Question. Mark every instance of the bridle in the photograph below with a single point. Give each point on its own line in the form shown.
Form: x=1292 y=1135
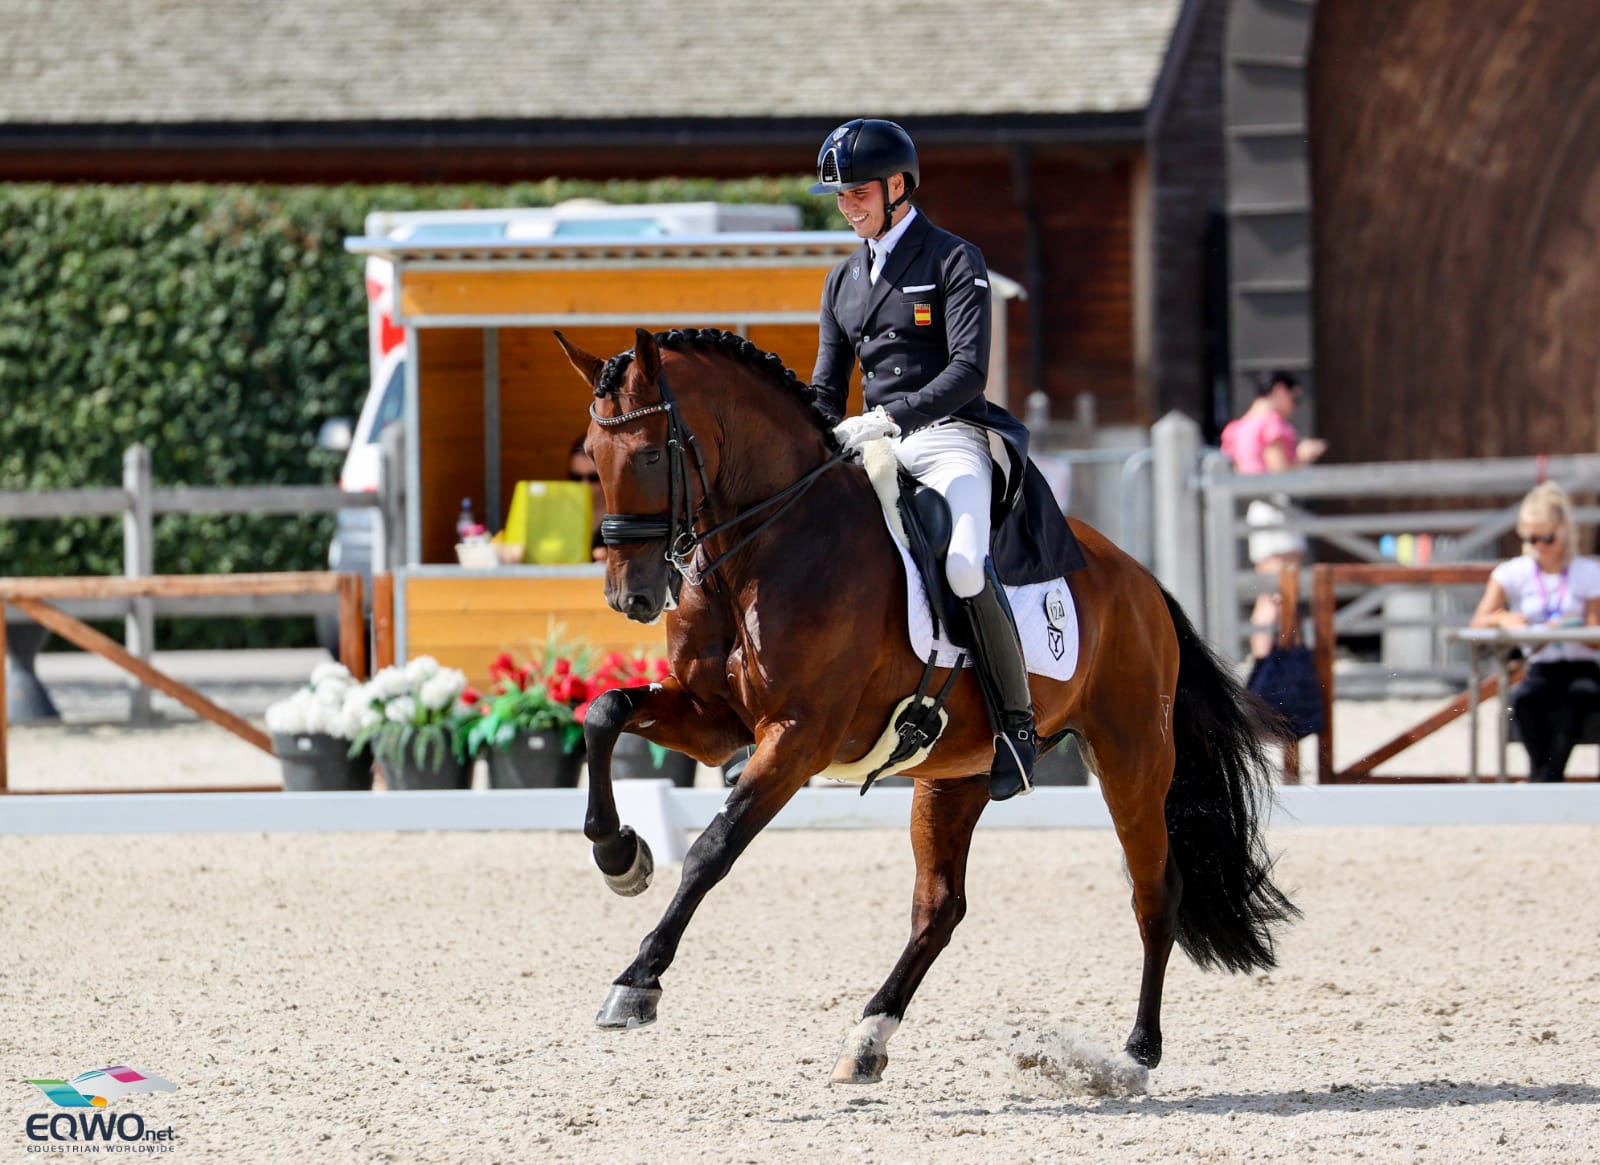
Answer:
x=678 y=526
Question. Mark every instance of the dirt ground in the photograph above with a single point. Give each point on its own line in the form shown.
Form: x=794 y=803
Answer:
x=430 y=997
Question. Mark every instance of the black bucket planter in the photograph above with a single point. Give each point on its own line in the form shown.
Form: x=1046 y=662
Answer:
x=316 y=763
x=633 y=759
x=534 y=760
x=449 y=773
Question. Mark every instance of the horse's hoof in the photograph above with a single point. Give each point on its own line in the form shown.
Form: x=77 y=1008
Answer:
x=862 y=1067
x=636 y=878
x=629 y=1007
x=1144 y=1051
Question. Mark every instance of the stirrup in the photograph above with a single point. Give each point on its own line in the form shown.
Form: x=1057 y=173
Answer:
x=1011 y=775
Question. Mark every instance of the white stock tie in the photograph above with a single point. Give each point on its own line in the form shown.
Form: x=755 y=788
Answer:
x=878 y=256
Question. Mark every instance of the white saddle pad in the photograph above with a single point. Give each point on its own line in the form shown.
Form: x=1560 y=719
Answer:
x=1047 y=621
x=1047 y=618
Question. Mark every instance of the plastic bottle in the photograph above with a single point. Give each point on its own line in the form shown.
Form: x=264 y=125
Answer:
x=466 y=524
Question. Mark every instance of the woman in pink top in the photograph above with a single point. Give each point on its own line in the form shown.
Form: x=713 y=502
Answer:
x=1264 y=440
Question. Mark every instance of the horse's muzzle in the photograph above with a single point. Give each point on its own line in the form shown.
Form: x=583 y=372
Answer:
x=640 y=607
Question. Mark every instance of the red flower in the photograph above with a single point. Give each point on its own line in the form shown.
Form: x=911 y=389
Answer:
x=470 y=696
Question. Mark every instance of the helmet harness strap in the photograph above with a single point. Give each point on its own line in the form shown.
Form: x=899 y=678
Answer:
x=890 y=207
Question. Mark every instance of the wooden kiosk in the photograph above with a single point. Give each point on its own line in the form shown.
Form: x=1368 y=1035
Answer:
x=490 y=400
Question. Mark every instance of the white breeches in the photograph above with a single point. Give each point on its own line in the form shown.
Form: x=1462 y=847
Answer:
x=953 y=459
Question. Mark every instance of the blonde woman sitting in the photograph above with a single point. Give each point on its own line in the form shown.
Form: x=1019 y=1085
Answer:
x=1549 y=584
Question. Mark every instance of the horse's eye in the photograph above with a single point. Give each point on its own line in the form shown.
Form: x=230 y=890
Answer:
x=650 y=457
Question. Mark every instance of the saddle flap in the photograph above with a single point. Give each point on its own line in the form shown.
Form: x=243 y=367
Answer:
x=926 y=516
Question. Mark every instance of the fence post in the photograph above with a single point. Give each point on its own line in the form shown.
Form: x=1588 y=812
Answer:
x=1175 y=447
x=138 y=558
x=382 y=620
x=390 y=546
x=1221 y=557
x=352 y=627
x=3 y=694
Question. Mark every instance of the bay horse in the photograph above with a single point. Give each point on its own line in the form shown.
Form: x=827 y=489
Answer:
x=730 y=508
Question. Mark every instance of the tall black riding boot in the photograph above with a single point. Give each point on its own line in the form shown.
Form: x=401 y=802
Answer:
x=1003 y=676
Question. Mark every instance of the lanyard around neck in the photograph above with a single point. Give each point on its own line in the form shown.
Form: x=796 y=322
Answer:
x=1551 y=610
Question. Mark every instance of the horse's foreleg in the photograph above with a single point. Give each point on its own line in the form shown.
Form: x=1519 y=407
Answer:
x=652 y=711
x=771 y=778
x=943 y=815
x=1136 y=795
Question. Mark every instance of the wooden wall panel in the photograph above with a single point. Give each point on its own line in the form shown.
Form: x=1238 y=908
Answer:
x=450 y=371
x=1456 y=184
x=1084 y=288
x=466 y=622
x=544 y=403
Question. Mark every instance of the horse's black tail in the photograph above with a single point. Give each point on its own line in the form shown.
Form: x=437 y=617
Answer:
x=1223 y=776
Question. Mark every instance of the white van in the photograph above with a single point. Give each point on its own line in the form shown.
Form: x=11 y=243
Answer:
x=351 y=548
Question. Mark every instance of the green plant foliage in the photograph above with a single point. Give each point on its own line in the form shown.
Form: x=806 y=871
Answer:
x=219 y=326
x=512 y=710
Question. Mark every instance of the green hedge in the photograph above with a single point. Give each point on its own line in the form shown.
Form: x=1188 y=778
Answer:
x=218 y=325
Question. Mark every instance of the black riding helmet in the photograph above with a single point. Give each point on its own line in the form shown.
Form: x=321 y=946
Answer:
x=867 y=149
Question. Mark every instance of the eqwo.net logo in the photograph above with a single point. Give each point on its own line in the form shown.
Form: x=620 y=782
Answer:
x=95 y=1090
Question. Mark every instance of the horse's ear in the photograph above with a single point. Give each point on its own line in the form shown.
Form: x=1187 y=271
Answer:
x=589 y=367
x=646 y=356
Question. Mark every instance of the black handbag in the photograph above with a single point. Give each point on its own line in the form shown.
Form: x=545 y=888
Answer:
x=1287 y=680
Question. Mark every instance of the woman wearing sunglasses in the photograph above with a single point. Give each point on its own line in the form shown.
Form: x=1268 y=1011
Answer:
x=1548 y=584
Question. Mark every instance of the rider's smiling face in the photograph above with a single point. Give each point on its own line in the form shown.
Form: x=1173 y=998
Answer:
x=862 y=206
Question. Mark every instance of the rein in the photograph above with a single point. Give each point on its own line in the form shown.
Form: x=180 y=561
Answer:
x=678 y=525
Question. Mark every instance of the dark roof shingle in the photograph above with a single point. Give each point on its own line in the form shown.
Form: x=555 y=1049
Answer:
x=68 y=62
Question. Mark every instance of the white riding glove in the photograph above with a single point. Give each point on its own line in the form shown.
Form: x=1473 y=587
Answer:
x=854 y=432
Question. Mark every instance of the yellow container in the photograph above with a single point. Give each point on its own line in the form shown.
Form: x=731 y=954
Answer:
x=553 y=520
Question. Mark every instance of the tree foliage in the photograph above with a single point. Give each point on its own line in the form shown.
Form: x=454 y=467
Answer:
x=219 y=326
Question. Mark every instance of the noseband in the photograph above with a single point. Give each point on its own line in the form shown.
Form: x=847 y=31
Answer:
x=678 y=525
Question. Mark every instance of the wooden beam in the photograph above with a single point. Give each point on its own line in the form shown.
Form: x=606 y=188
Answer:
x=1453 y=710
x=1322 y=612
x=635 y=291
x=4 y=696
x=1289 y=636
x=305 y=582
x=89 y=639
x=352 y=627
x=382 y=620
x=149 y=789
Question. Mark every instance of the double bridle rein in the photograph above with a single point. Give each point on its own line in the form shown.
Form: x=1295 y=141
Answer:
x=678 y=525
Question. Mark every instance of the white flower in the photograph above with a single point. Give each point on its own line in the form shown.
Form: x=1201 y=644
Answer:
x=288 y=716
x=307 y=711
x=329 y=695
x=420 y=670
x=442 y=689
x=391 y=681
x=331 y=673
x=401 y=710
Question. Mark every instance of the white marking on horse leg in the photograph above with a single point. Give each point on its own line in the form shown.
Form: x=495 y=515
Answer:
x=866 y=1051
x=871 y=1034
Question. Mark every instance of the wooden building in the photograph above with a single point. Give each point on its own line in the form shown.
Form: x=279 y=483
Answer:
x=1078 y=142
x=1414 y=220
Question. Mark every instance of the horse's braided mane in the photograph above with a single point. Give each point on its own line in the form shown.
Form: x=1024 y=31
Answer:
x=741 y=349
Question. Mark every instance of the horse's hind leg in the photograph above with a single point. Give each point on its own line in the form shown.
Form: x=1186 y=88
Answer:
x=943 y=815
x=1135 y=792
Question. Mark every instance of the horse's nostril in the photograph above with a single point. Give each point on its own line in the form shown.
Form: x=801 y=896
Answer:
x=639 y=605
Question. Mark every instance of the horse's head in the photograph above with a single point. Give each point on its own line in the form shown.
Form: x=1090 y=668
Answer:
x=651 y=473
